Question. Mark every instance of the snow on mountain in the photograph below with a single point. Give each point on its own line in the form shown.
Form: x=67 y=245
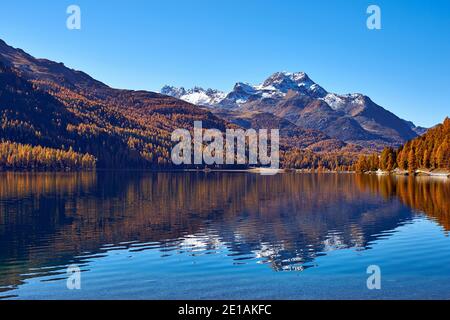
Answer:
x=276 y=86
x=295 y=97
x=339 y=102
x=196 y=95
x=173 y=91
x=280 y=83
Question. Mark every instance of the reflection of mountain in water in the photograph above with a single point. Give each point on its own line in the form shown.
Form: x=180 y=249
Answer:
x=285 y=220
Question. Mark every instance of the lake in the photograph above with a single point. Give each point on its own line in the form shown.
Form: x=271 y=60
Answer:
x=217 y=235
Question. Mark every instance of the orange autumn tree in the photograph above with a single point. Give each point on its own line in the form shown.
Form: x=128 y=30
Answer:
x=24 y=156
x=429 y=151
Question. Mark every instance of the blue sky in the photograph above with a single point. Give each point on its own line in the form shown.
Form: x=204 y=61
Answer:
x=144 y=44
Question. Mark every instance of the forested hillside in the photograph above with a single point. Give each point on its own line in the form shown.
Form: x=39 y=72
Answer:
x=54 y=117
x=429 y=151
x=119 y=128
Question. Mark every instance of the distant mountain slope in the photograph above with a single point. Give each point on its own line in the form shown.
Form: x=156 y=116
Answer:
x=354 y=118
x=45 y=103
x=291 y=135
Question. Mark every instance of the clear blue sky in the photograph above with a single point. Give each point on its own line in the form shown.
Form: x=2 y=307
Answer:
x=144 y=44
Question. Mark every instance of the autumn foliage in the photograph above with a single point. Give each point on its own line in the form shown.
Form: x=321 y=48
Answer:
x=430 y=151
x=74 y=114
x=19 y=156
x=119 y=128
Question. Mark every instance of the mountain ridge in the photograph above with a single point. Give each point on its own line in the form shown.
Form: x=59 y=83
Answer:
x=355 y=118
x=44 y=103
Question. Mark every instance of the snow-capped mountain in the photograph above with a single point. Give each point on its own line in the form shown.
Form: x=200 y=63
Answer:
x=196 y=95
x=295 y=97
x=276 y=86
x=281 y=82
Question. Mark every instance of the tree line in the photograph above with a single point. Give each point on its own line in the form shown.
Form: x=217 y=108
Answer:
x=326 y=161
x=24 y=156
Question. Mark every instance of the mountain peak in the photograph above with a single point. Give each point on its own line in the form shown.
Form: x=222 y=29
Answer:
x=297 y=77
x=173 y=91
x=275 y=86
x=280 y=79
x=296 y=98
x=243 y=86
x=196 y=95
x=300 y=82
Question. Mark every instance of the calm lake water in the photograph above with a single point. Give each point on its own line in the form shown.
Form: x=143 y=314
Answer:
x=223 y=236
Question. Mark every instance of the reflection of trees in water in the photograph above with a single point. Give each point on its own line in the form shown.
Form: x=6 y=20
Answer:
x=428 y=195
x=285 y=220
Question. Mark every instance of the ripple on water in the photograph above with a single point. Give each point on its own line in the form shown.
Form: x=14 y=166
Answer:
x=228 y=236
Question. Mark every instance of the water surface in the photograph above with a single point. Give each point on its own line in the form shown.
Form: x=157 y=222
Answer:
x=223 y=235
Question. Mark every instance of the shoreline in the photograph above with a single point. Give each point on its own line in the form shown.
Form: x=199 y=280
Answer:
x=263 y=171
x=417 y=173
